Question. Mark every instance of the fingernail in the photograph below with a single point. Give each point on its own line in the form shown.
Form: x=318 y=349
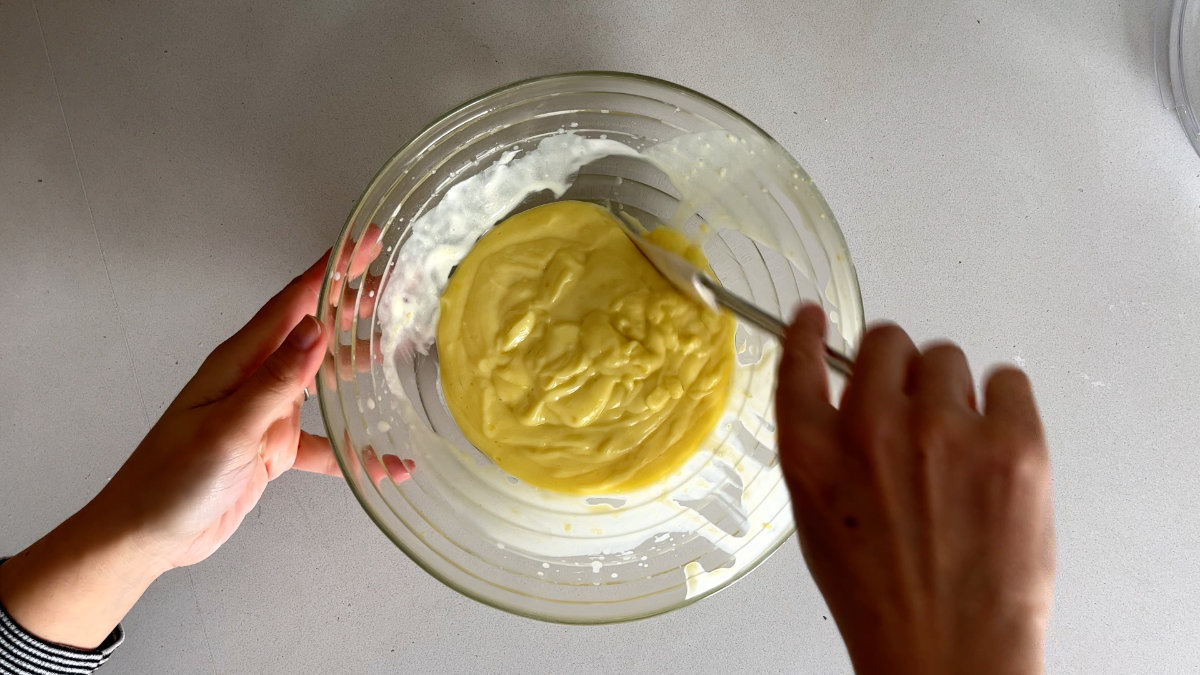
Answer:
x=305 y=334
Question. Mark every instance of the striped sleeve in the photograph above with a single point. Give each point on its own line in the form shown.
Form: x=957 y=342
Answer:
x=24 y=654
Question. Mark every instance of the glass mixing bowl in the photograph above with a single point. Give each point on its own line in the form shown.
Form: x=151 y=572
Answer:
x=1177 y=62
x=704 y=170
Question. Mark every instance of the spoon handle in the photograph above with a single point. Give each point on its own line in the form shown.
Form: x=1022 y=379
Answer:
x=756 y=316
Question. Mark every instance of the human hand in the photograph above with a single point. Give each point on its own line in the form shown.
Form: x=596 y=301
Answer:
x=926 y=523
x=233 y=428
x=198 y=472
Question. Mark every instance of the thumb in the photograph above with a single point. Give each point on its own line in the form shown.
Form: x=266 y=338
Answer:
x=279 y=382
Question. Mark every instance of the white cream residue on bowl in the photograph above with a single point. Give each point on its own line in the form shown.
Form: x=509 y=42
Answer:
x=442 y=237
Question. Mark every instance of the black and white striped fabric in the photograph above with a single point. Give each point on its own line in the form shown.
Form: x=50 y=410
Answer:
x=25 y=654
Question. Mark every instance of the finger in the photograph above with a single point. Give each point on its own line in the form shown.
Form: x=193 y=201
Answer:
x=398 y=470
x=311 y=387
x=358 y=302
x=803 y=383
x=881 y=368
x=271 y=324
x=314 y=454
x=279 y=382
x=354 y=259
x=942 y=377
x=370 y=296
x=369 y=246
x=278 y=447
x=374 y=468
x=1008 y=400
x=346 y=308
x=240 y=355
x=364 y=353
x=802 y=408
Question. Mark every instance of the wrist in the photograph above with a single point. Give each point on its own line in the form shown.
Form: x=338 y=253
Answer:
x=979 y=645
x=74 y=585
x=110 y=535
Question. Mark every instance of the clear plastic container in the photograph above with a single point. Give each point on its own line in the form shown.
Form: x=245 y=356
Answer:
x=1177 y=61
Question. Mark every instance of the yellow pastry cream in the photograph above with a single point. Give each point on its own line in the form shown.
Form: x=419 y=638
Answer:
x=571 y=362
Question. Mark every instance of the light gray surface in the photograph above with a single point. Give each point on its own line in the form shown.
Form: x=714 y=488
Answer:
x=1005 y=175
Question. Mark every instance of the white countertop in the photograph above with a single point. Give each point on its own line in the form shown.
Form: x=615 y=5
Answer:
x=1005 y=176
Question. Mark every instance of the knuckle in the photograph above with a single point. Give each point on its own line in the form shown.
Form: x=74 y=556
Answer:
x=1020 y=464
x=1029 y=460
x=934 y=426
x=1030 y=469
x=940 y=419
x=278 y=375
x=218 y=356
x=870 y=437
x=294 y=295
x=1015 y=437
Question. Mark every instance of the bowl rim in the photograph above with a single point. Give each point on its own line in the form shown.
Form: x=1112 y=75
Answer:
x=323 y=310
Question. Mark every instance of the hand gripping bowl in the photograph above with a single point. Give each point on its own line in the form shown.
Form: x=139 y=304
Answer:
x=688 y=163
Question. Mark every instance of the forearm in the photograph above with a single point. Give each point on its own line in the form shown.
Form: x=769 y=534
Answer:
x=73 y=586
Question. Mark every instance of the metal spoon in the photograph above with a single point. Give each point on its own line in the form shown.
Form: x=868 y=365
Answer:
x=704 y=289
